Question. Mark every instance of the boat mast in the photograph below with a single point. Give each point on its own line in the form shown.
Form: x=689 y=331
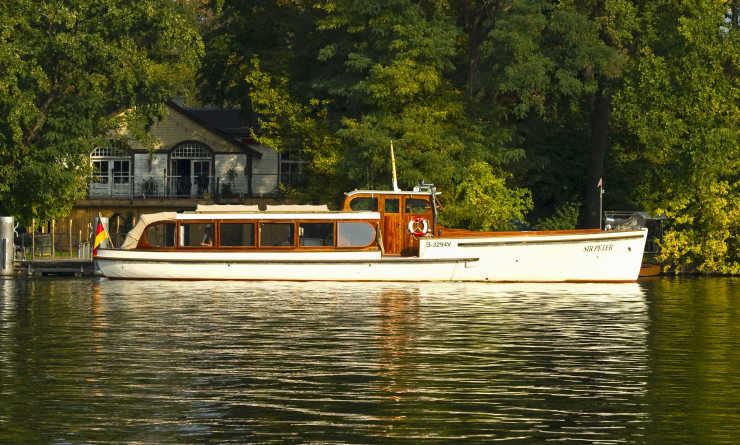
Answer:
x=393 y=166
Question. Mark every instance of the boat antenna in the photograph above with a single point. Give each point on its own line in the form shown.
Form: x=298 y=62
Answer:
x=393 y=166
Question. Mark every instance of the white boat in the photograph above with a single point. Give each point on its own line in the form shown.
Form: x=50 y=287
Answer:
x=378 y=236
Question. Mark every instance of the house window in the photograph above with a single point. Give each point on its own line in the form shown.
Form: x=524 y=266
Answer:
x=121 y=172
x=190 y=164
x=110 y=166
x=292 y=168
x=100 y=172
x=191 y=150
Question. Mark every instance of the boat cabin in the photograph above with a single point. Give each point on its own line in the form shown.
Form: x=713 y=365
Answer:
x=389 y=221
x=406 y=216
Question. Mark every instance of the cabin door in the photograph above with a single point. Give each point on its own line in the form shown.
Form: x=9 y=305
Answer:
x=393 y=233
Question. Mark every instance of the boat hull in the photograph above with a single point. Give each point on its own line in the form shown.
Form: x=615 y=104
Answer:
x=521 y=257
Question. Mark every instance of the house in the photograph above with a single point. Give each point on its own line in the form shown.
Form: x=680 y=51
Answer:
x=199 y=154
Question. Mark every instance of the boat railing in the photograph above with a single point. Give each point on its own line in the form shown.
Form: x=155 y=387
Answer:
x=633 y=219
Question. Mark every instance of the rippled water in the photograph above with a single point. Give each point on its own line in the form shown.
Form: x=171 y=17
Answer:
x=100 y=361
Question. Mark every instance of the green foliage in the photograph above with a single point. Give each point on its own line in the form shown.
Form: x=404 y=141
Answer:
x=66 y=68
x=346 y=78
x=483 y=202
x=564 y=218
x=286 y=124
x=682 y=105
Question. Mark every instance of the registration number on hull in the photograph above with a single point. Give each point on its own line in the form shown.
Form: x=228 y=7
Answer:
x=438 y=244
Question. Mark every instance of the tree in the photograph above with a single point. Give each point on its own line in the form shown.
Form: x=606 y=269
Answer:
x=339 y=80
x=558 y=64
x=66 y=69
x=682 y=104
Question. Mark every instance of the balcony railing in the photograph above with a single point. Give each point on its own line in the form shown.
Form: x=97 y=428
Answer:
x=164 y=187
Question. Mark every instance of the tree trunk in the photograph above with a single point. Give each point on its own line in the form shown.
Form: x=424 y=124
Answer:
x=600 y=113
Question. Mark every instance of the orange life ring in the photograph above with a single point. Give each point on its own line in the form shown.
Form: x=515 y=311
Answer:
x=418 y=226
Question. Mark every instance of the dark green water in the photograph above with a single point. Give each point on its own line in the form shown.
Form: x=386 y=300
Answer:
x=99 y=361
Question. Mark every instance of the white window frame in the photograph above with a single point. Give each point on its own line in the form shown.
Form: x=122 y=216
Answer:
x=111 y=173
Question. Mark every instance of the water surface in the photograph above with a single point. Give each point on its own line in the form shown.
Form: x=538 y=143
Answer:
x=102 y=361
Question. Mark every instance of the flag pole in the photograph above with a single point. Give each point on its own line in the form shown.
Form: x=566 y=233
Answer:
x=101 y=234
x=600 y=185
x=393 y=166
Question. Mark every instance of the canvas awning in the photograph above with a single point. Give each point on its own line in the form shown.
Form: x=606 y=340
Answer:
x=132 y=238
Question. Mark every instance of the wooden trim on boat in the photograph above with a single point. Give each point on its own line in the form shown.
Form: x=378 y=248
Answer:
x=463 y=233
x=539 y=242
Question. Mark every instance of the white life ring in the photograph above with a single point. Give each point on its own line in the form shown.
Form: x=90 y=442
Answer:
x=418 y=226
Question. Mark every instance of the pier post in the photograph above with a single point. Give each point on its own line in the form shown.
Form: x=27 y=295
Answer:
x=7 y=245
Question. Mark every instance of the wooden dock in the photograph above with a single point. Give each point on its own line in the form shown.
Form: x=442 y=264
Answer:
x=77 y=267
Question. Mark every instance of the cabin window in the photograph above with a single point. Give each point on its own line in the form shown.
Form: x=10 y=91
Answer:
x=364 y=203
x=417 y=205
x=237 y=234
x=391 y=205
x=355 y=234
x=161 y=235
x=316 y=234
x=196 y=235
x=276 y=234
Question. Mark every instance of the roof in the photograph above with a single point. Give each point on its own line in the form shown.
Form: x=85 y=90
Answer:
x=228 y=124
x=390 y=192
x=225 y=208
x=239 y=208
x=132 y=238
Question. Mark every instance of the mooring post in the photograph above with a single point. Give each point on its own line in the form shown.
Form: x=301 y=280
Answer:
x=7 y=245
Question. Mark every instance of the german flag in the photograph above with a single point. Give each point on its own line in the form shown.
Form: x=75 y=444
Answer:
x=100 y=236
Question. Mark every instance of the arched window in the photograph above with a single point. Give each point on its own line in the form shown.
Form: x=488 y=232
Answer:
x=191 y=150
x=190 y=164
